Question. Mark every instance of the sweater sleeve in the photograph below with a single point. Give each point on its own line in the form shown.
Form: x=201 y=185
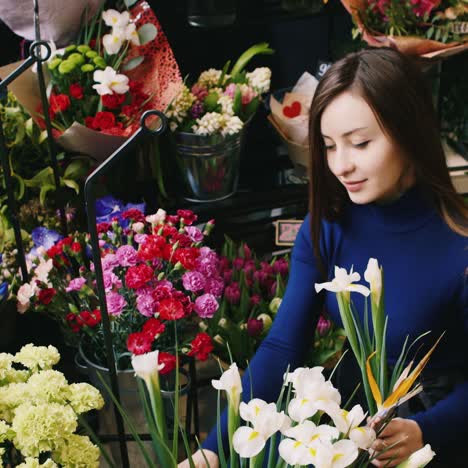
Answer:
x=290 y=336
x=445 y=424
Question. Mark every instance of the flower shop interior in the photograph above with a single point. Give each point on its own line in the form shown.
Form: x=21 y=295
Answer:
x=169 y=141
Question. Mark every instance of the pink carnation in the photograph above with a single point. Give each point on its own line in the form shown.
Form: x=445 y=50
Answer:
x=194 y=233
x=115 y=303
x=214 y=286
x=208 y=266
x=126 y=256
x=193 y=281
x=206 y=306
x=111 y=280
x=75 y=284
x=146 y=305
x=109 y=262
x=140 y=238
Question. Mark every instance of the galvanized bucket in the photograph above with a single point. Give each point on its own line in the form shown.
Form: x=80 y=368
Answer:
x=209 y=165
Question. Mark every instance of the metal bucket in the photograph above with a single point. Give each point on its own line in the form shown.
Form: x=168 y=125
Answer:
x=209 y=165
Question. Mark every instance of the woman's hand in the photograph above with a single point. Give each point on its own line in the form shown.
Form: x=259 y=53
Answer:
x=200 y=462
x=407 y=437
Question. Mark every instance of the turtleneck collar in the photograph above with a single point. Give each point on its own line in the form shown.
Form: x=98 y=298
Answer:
x=409 y=212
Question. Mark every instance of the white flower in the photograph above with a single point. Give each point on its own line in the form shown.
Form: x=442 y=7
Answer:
x=131 y=34
x=113 y=42
x=231 y=125
x=308 y=432
x=260 y=79
x=249 y=411
x=419 y=459
x=114 y=19
x=337 y=455
x=347 y=420
x=42 y=270
x=304 y=378
x=157 y=218
x=25 y=292
x=110 y=82
x=138 y=227
x=373 y=275
x=209 y=124
x=343 y=282
x=209 y=78
x=249 y=441
x=226 y=104
x=146 y=365
x=230 y=382
x=275 y=305
x=180 y=105
x=363 y=436
x=294 y=452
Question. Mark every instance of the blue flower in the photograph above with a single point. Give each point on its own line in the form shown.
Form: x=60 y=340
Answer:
x=108 y=208
x=43 y=237
x=3 y=291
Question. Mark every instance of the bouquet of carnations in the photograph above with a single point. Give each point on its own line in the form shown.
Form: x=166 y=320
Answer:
x=221 y=101
x=157 y=275
x=428 y=28
x=39 y=412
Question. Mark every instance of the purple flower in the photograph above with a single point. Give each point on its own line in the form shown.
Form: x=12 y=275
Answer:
x=115 y=303
x=281 y=266
x=193 y=281
x=254 y=327
x=197 y=109
x=238 y=263
x=194 y=233
x=75 y=284
x=43 y=237
x=111 y=280
x=126 y=255
x=214 y=286
x=108 y=208
x=206 y=306
x=232 y=293
x=146 y=305
x=323 y=325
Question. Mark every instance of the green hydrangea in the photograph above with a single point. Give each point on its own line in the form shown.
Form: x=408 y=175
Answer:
x=39 y=428
x=77 y=451
x=37 y=357
x=84 y=397
x=35 y=463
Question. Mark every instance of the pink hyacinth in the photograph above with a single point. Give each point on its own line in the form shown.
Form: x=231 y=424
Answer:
x=115 y=303
x=230 y=90
x=200 y=92
x=193 y=281
x=214 y=286
x=75 y=284
x=146 y=305
x=232 y=293
x=126 y=256
x=206 y=306
x=194 y=233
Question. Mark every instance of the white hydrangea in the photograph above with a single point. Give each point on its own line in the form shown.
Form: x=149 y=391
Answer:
x=209 y=124
x=260 y=79
x=180 y=105
x=226 y=104
x=209 y=78
x=232 y=125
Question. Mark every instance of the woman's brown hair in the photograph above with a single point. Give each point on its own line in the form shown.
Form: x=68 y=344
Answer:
x=396 y=91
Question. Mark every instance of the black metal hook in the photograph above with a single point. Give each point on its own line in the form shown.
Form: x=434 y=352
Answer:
x=35 y=51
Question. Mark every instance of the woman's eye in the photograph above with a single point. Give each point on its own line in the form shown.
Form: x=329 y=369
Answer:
x=362 y=145
x=329 y=147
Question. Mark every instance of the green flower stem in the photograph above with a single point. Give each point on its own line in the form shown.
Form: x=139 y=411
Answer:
x=154 y=391
x=345 y=313
x=233 y=424
x=175 y=433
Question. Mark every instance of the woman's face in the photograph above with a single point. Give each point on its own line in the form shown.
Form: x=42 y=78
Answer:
x=360 y=154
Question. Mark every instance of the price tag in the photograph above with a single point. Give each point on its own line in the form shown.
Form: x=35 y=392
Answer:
x=322 y=67
x=286 y=231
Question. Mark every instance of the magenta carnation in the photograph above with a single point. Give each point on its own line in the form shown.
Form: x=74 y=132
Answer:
x=146 y=305
x=109 y=262
x=206 y=306
x=126 y=256
x=75 y=284
x=214 y=286
x=194 y=233
x=193 y=281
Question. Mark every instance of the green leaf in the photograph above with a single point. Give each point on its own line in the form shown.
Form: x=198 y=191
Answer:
x=71 y=184
x=237 y=104
x=42 y=137
x=438 y=34
x=44 y=190
x=132 y=63
x=147 y=33
x=262 y=48
x=211 y=102
x=76 y=170
x=21 y=186
x=129 y=3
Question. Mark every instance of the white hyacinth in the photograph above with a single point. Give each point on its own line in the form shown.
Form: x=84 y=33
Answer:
x=260 y=79
x=209 y=124
x=181 y=104
x=226 y=104
x=209 y=78
x=232 y=125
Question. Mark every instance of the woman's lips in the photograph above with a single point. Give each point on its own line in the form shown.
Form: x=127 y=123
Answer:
x=354 y=186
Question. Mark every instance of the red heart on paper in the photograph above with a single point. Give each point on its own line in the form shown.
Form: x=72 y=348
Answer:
x=293 y=110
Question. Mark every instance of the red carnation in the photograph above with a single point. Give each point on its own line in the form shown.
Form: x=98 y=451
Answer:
x=182 y=239
x=89 y=122
x=134 y=214
x=76 y=91
x=45 y=296
x=103 y=227
x=171 y=309
x=139 y=343
x=172 y=219
x=137 y=276
x=201 y=346
x=188 y=217
x=153 y=327
x=169 y=361
x=113 y=101
x=186 y=256
x=129 y=110
x=58 y=103
x=104 y=120
x=73 y=323
x=152 y=247
x=76 y=247
x=168 y=231
x=186 y=302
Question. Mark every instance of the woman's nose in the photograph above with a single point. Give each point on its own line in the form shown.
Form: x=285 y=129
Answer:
x=341 y=163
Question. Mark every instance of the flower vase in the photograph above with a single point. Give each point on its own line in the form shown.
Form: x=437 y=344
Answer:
x=208 y=165
x=130 y=401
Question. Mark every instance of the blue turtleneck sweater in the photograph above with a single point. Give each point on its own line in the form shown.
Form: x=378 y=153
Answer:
x=425 y=278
